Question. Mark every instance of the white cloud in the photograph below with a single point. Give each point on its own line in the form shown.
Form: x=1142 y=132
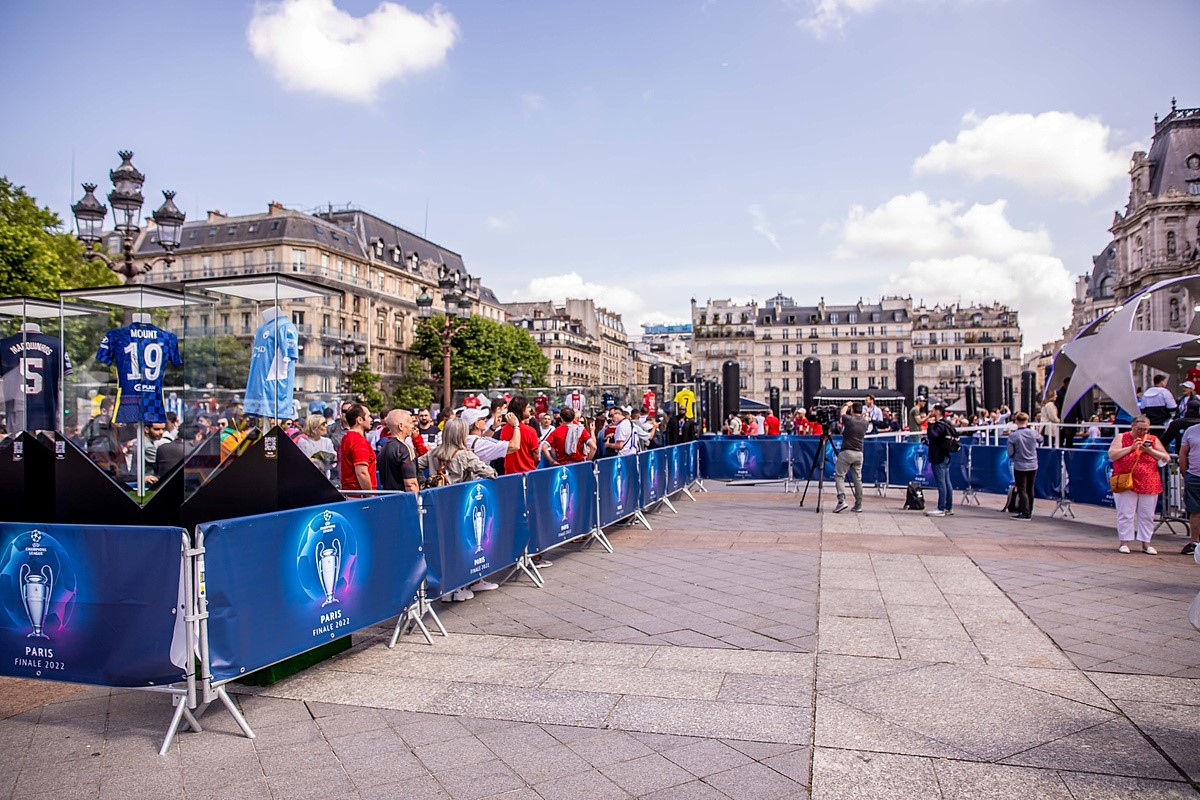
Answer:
x=495 y=223
x=957 y=255
x=532 y=103
x=631 y=304
x=831 y=16
x=1056 y=153
x=311 y=45
x=761 y=225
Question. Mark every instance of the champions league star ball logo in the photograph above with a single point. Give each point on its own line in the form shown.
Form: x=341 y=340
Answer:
x=564 y=492
x=478 y=518
x=327 y=557
x=37 y=584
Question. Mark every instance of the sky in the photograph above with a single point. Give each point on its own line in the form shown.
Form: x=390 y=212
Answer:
x=642 y=154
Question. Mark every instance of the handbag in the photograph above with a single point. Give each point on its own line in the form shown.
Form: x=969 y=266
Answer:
x=439 y=478
x=1123 y=481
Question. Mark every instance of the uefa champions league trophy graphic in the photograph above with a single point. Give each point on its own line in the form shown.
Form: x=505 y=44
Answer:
x=564 y=493
x=741 y=455
x=36 y=588
x=919 y=459
x=329 y=564
x=477 y=515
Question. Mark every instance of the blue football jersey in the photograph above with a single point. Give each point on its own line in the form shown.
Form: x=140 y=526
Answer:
x=31 y=364
x=141 y=353
x=269 y=386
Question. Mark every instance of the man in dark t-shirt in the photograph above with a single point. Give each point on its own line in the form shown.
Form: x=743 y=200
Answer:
x=397 y=465
x=850 y=459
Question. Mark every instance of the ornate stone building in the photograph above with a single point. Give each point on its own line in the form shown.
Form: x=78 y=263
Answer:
x=1158 y=235
x=951 y=341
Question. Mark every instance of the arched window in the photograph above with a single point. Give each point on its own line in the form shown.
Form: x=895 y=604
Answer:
x=1141 y=253
x=1174 y=311
x=1171 y=244
x=1106 y=286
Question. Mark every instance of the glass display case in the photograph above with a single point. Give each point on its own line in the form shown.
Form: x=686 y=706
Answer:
x=272 y=368
x=34 y=363
x=138 y=400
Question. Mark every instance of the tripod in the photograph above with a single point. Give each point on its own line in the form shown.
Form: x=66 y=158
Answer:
x=818 y=466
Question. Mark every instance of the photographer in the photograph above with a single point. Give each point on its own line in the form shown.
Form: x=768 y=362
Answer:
x=854 y=428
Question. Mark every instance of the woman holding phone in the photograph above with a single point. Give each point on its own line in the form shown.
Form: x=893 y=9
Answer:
x=1138 y=453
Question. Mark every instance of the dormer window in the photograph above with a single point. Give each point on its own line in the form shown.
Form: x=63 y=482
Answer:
x=396 y=255
x=1193 y=161
x=379 y=248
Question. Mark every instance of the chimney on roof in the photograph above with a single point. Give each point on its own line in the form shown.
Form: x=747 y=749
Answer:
x=216 y=215
x=274 y=207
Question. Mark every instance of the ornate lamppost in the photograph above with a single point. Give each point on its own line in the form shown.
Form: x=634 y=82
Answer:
x=126 y=200
x=454 y=287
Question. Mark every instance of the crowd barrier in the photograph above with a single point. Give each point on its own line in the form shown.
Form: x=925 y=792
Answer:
x=154 y=608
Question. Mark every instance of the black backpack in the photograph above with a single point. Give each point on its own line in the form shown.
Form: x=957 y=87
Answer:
x=914 y=497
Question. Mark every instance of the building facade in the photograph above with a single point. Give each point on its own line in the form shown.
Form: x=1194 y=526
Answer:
x=574 y=355
x=373 y=269
x=672 y=343
x=723 y=330
x=950 y=342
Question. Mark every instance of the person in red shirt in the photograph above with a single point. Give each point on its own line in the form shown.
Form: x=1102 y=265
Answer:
x=555 y=447
x=356 y=457
x=771 y=423
x=523 y=440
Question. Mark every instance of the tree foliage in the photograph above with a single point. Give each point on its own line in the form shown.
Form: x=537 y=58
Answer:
x=485 y=353
x=364 y=387
x=37 y=257
x=224 y=362
x=413 y=390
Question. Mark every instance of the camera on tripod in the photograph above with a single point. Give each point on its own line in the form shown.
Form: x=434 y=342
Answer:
x=825 y=415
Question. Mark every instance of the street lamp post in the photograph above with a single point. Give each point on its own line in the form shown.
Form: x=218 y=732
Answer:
x=457 y=303
x=353 y=351
x=126 y=200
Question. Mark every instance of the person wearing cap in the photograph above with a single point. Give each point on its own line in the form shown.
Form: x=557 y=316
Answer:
x=1187 y=390
x=621 y=441
x=939 y=433
x=487 y=448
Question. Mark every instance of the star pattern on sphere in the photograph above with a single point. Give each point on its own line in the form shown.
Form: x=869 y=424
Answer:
x=1105 y=359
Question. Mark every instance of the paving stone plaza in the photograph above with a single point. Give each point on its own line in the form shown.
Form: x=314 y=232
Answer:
x=745 y=648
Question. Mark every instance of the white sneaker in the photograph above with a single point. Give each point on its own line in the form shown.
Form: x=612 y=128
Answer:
x=483 y=586
x=459 y=595
x=1123 y=548
x=1148 y=550
x=935 y=513
x=543 y=562
x=840 y=507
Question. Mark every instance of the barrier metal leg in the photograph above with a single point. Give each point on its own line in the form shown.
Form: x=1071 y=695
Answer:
x=599 y=536
x=182 y=714
x=234 y=712
x=527 y=565
x=412 y=616
x=691 y=497
x=638 y=516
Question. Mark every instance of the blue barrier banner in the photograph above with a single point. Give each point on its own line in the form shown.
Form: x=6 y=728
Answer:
x=908 y=462
x=619 y=488
x=562 y=504
x=1088 y=473
x=473 y=530
x=280 y=584
x=741 y=458
x=803 y=451
x=677 y=468
x=874 y=469
x=1048 y=483
x=92 y=604
x=651 y=468
x=991 y=469
x=693 y=461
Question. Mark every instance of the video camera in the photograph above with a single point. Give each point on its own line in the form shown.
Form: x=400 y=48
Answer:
x=825 y=415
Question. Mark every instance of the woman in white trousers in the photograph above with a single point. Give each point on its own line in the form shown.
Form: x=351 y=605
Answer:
x=1138 y=452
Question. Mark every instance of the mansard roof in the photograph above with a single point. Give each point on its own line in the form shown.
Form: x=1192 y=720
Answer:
x=1176 y=138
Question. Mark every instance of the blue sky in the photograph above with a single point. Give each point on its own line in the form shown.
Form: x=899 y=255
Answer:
x=640 y=153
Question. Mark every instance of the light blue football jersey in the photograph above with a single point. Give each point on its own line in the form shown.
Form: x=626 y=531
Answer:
x=271 y=382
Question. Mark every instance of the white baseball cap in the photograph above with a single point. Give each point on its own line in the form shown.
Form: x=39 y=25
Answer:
x=473 y=415
x=1188 y=384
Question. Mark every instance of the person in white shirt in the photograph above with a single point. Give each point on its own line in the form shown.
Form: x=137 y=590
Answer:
x=872 y=412
x=622 y=441
x=487 y=448
x=1157 y=402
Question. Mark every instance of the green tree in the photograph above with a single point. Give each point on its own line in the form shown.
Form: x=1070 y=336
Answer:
x=37 y=257
x=364 y=386
x=485 y=353
x=223 y=361
x=413 y=390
